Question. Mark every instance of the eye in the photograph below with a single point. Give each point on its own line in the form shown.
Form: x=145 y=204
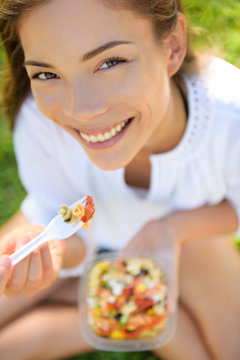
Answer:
x=45 y=76
x=112 y=62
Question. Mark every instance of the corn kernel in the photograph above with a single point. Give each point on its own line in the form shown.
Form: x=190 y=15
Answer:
x=141 y=287
x=117 y=335
x=150 y=311
x=102 y=265
x=97 y=312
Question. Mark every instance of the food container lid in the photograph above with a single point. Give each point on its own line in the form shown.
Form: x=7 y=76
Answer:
x=95 y=324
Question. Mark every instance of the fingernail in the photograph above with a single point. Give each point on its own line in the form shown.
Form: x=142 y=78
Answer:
x=5 y=261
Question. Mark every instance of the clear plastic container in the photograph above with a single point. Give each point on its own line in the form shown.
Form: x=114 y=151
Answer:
x=146 y=315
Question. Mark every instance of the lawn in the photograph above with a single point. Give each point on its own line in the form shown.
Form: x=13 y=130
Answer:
x=215 y=26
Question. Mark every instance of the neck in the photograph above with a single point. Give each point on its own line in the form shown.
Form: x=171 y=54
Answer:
x=170 y=132
x=166 y=138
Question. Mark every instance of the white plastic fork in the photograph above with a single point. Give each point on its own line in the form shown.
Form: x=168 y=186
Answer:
x=57 y=229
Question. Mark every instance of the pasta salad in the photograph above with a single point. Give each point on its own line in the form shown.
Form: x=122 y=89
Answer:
x=127 y=299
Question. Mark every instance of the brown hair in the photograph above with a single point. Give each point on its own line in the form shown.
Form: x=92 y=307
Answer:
x=16 y=84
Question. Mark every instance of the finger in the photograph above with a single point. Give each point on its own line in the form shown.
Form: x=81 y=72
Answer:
x=7 y=245
x=5 y=267
x=48 y=272
x=35 y=274
x=19 y=273
x=56 y=248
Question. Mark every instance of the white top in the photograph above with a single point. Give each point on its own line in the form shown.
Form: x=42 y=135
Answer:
x=204 y=168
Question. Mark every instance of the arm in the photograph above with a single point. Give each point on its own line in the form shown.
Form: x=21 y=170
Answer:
x=180 y=227
x=203 y=222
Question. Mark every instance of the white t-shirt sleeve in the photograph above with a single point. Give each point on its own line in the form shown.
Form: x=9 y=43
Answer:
x=41 y=171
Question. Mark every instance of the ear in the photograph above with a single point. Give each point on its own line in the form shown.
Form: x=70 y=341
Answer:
x=177 y=45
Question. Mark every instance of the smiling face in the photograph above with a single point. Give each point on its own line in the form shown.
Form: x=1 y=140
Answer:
x=100 y=75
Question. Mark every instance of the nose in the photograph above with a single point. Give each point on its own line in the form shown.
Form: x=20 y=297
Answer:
x=83 y=102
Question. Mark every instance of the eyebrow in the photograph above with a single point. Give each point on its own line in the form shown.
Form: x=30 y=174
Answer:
x=91 y=54
x=103 y=48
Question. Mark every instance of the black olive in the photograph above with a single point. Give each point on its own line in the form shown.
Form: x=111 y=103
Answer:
x=118 y=316
x=143 y=272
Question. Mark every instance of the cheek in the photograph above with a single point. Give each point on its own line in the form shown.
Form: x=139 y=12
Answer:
x=48 y=102
x=159 y=94
x=147 y=86
x=129 y=88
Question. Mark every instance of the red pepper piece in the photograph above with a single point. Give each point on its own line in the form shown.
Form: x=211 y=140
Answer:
x=127 y=293
x=143 y=304
x=136 y=333
x=136 y=281
x=89 y=209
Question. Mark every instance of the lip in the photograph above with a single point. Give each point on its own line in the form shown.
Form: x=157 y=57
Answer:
x=107 y=143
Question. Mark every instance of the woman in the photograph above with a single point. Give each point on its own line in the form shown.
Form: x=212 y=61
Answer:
x=109 y=76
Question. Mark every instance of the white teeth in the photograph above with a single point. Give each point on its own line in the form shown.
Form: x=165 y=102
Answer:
x=106 y=136
x=93 y=138
x=100 y=138
x=85 y=137
x=113 y=132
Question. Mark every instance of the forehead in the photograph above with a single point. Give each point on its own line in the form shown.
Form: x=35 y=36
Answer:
x=86 y=22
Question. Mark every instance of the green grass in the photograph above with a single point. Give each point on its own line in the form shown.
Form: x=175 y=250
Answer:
x=101 y=355
x=11 y=191
x=217 y=23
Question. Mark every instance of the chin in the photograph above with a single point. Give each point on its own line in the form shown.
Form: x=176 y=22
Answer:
x=109 y=164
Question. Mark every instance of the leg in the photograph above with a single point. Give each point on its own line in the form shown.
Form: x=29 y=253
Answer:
x=11 y=309
x=57 y=335
x=209 y=288
x=187 y=343
x=46 y=326
x=47 y=332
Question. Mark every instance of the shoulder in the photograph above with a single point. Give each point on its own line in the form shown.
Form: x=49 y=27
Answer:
x=222 y=84
x=214 y=110
x=219 y=83
x=36 y=136
x=222 y=81
x=33 y=134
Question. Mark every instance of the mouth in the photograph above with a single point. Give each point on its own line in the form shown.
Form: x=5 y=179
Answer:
x=105 y=138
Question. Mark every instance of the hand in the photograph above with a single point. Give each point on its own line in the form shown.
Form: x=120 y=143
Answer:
x=156 y=235
x=34 y=273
